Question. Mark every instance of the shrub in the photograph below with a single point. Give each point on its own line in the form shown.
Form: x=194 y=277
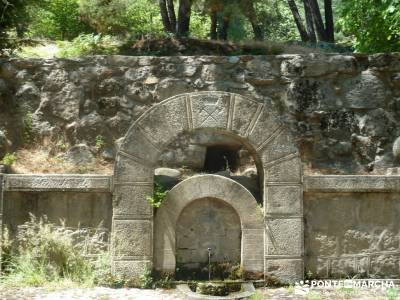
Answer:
x=89 y=44
x=43 y=252
x=139 y=17
x=100 y=142
x=9 y=159
x=159 y=195
x=28 y=134
x=146 y=279
x=56 y=19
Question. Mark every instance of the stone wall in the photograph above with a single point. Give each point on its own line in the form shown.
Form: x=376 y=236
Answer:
x=352 y=227
x=81 y=201
x=351 y=222
x=344 y=110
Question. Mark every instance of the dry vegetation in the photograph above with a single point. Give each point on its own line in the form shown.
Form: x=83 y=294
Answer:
x=40 y=159
x=190 y=46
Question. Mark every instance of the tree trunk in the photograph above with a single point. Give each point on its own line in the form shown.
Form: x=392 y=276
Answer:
x=299 y=22
x=330 y=32
x=171 y=14
x=248 y=10
x=309 y=21
x=319 y=24
x=185 y=7
x=164 y=16
x=223 y=33
x=258 y=32
x=214 y=25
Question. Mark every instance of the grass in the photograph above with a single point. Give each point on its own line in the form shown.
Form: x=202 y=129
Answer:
x=46 y=50
x=257 y=296
x=290 y=289
x=313 y=296
x=54 y=256
x=392 y=294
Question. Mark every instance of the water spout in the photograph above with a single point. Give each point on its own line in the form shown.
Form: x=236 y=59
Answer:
x=209 y=263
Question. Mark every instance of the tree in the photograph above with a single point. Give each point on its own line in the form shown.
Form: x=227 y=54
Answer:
x=298 y=20
x=184 y=12
x=223 y=11
x=11 y=13
x=180 y=27
x=373 y=24
x=248 y=9
x=168 y=15
x=309 y=21
x=122 y=17
x=314 y=21
x=55 y=19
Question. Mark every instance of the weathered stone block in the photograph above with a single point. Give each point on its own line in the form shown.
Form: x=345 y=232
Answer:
x=366 y=92
x=130 y=268
x=278 y=147
x=141 y=146
x=257 y=131
x=284 y=236
x=171 y=120
x=129 y=170
x=132 y=238
x=210 y=110
x=351 y=183
x=385 y=266
x=286 y=270
x=253 y=250
x=284 y=171
x=132 y=200
x=45 y=182
x=283 y=199
x=245 y=113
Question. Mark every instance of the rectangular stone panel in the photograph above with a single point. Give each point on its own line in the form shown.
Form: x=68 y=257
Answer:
x=285 y=270
x=283 y=199
x=244 y=115
x=130 y=268
x=351 y=183
x=263 y=128
x=385 y=265
x=284 y=171
x=278 y=147
x=132 y=238
x=47 y=183
x=140 y=145
x=342 y=267
x=284 y=236
x=128 y=170
x=210 y=110
x=165 y=121
x=253 y=250
x=132 y=200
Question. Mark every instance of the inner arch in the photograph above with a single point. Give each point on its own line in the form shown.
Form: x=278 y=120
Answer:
x=207 y=223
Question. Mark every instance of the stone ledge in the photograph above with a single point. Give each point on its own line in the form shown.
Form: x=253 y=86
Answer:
x=57 y=183
x=351 y=183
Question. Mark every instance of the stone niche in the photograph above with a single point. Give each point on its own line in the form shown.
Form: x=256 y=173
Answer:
x=207 y=224
x=269 y=239
x=209 y=211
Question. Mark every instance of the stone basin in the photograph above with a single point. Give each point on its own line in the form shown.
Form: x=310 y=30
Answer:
x=247 y=290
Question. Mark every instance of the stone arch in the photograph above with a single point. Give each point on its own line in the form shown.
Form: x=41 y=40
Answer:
x=210 y=186
x=248 y=120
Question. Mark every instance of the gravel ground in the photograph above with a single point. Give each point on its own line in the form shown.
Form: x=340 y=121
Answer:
x=100 y=293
